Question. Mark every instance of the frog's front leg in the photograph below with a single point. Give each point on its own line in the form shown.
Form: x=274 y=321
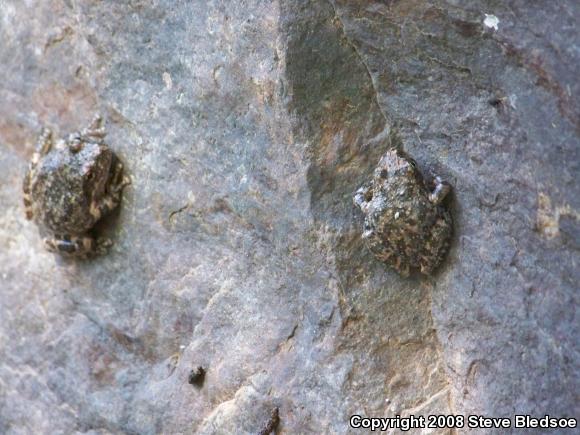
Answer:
x=440 y=191
x=95 y=128
x=95 y=132
x=43 y=146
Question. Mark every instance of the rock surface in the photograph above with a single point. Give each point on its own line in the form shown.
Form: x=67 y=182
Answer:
x=245 y=127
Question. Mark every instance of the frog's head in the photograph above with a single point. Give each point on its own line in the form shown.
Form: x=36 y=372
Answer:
x=395 y=163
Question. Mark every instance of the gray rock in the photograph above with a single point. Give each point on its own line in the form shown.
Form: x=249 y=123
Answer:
x=246 y=126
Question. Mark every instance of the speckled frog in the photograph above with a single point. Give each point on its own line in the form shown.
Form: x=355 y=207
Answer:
x=406 y=225
x=70 y=185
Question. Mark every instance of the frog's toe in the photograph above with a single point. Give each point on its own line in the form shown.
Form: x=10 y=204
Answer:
x=96 y=127
x=103 y=245
x=121 y=184
x=118 y=180
x=70 y=246
x=426 y=267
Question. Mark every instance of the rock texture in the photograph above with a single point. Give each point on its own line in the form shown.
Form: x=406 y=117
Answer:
x=246 y=126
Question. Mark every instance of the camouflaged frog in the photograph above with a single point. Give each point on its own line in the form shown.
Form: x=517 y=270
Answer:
x=406 y=225
x=70 y=185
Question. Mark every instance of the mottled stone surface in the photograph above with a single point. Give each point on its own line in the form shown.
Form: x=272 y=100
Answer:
x=246 y=126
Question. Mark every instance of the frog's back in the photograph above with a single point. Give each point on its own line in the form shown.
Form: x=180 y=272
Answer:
x=57 y=195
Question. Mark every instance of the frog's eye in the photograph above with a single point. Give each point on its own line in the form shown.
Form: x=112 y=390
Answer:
x=75 y=144
x=89 y=175
x=413 y=163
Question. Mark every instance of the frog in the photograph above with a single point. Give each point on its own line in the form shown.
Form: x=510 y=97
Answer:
x=406 y=222
x=70 y=185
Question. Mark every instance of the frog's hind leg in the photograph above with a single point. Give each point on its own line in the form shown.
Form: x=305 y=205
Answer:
x=72 y=246
x=43 y=147
x=436 y=246
x=112 y=199
x=104 y=206
x=118 y=180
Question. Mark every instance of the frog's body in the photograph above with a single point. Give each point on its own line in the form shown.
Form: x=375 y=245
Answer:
x=70 y=186
x=406 y=225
